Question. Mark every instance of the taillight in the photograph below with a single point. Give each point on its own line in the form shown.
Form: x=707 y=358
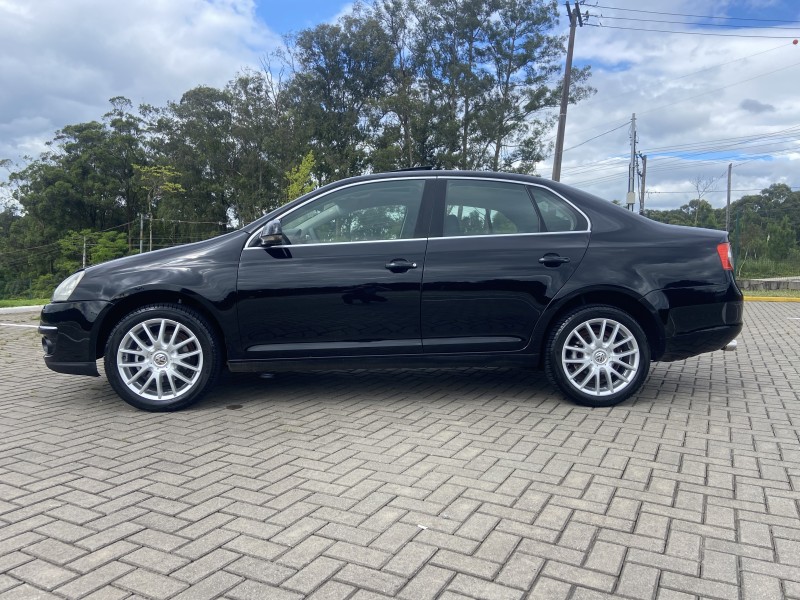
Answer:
x=725 y=256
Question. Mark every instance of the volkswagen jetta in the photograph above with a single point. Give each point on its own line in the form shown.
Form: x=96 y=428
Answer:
x=406 y=269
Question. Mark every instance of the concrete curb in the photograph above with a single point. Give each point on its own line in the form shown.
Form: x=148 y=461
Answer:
x=20 y=309
x=769 y=299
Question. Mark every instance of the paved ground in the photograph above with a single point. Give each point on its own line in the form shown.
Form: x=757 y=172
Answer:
x=452 y=484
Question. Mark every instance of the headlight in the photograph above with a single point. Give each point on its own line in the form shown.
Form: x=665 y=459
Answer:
x=65 y=289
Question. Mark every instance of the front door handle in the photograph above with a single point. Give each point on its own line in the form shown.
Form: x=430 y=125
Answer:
x=400 y=265
x=553 y=260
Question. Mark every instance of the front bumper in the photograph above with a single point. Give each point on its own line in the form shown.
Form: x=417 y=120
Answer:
x=69 y=336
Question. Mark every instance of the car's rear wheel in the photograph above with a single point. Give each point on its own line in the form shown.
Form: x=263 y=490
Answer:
x=162 y=357
x=597 y=355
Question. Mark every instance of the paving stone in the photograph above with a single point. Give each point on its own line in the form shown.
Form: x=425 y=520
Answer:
x=205 y=566
x=252 y=590
x=42 y=574
x=409 y=559
x=638 y=581
x=481 y=589
x=54 y=551
x=211 y=587
x=155 y=560
x=260 y=570
x=27 y=592
x=369 y=579
x=579 y=576
x=549 y=589
x=313 y=575
x=94 y=580
x=476 y=483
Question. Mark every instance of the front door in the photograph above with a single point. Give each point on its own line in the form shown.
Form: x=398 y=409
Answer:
x=346 y=282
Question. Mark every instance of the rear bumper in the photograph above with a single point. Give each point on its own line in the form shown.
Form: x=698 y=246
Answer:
x=698 y=319
x=69 y=336
x=704 y=340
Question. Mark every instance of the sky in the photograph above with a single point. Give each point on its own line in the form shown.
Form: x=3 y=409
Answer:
x=701 y=101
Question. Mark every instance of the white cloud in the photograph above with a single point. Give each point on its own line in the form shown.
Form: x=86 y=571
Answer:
x=684 y=89
x=60 y=61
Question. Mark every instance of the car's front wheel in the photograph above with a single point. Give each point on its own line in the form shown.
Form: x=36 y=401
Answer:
x=162 y=357
x=597 y=355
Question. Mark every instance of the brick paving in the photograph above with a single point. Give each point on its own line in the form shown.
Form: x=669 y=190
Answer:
x=478 y=484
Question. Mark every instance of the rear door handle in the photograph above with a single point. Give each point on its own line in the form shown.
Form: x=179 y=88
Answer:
x=553 y=259
x=400 y=265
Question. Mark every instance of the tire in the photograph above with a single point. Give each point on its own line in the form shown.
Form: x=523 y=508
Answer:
x=597 y=355
x=162 y=357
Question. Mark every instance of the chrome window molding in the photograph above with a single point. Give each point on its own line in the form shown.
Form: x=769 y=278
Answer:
x=588 y=229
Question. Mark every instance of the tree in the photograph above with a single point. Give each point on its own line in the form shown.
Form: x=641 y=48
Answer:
x=300 y=178
x=342 y=78
x=158 y=182
x=524 y=57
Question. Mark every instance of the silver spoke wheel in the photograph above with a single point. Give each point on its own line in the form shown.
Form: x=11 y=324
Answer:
x=160 y=359
x=600 y=357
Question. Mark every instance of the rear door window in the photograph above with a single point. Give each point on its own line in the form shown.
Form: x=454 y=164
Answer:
x=474 y=207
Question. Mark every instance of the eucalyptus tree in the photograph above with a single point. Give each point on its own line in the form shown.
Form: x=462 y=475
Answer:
x=194 y=136
x=341 y=78
x=524 y=58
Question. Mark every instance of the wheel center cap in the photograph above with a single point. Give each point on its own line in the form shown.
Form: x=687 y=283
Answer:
x=160 y=359
x=601 y=357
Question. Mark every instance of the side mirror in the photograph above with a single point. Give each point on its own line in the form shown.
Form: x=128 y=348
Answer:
x=272 y=234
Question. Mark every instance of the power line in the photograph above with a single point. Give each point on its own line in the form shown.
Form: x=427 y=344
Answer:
x=667 y=22
x=737 y=35
x=644 y=112
x=717 y=191
x=598 y=136
x=653 y=12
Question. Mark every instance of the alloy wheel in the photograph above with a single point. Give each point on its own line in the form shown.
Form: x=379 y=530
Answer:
x=160 y=359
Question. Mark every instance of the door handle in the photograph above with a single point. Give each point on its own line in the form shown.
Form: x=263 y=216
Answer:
x=400 y=265
x=553 y=259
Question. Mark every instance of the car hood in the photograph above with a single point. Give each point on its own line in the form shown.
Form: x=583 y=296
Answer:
x=175 y=255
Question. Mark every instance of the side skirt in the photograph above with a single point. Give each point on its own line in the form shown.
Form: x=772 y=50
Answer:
x=397 y=361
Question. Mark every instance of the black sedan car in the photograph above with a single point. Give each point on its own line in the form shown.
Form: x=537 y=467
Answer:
x=406 y=269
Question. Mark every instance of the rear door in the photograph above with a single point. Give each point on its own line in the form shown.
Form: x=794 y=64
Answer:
x=498 y=253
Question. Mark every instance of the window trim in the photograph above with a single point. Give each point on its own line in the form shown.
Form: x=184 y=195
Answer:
x=440 y=196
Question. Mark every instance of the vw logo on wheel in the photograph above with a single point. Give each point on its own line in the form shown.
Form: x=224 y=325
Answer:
x=160 y=359
x=600 y=357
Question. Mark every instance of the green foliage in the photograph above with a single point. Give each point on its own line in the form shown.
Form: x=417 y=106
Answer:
x=98 y=246
x=300 y=177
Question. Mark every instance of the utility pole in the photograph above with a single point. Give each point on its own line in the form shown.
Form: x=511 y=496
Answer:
x=574 y=19
x=728 y=205
x=631 y=197
x=141 y=233
x=84 y=252
x=644 y=178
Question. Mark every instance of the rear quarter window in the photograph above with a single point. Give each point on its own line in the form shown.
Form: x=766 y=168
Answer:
x=557 y=214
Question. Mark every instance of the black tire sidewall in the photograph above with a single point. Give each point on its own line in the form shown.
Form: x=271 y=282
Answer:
x=187 y=317
x=559 y=334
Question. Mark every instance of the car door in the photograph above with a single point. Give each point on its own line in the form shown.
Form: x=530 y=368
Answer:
x=345 y=282
x=498 y=253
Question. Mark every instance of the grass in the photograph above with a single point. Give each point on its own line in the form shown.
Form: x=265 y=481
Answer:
x=23 y=302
